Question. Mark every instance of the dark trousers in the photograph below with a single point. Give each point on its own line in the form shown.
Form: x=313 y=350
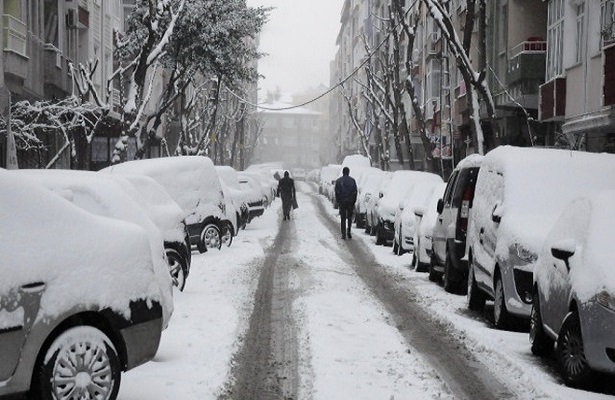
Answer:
x=346 y=210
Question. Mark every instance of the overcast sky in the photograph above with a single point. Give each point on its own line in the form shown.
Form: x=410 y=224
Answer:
x=300 y=42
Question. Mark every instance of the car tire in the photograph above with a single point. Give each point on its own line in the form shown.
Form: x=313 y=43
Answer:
x=434 y=276
x=541 y=343
x=571 y=354
x=451 y=283
x=177 y=268
x=211 y=237
x=227 y=234
x=379 y=238
x=80 y=353
x=501 y=317
x=475 y=297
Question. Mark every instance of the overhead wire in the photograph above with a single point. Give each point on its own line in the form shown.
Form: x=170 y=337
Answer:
x=339 y=84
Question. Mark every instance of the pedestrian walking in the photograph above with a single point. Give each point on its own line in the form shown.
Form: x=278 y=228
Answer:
x=286 y=191
x=346 y=196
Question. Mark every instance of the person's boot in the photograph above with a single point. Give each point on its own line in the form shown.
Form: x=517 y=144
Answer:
x=348 y=234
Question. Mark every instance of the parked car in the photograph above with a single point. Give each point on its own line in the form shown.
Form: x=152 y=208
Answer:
x=254 y=195
x=328 y=174
x=168 y=216
x=405 y=223
x=192 y=181
x=367 y=189
x=371 y=216
x=422 y=254
x=84 y=289
x=105 y=196
x=520 y=192
x=574 y=290
x=450 y=230
x=228 y=176
x=298 y=174
x=388 y=203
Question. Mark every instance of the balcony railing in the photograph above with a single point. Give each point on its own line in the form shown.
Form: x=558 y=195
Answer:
x=14 y=35
x=529 y=46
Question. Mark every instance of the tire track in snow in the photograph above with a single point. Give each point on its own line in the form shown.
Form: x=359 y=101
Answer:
x=466 y=377
x=266 y=366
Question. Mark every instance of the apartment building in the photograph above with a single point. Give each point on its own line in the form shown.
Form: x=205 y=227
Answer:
x=290 y=135
x=577 y=101
x=41 y=39
x=550 y=68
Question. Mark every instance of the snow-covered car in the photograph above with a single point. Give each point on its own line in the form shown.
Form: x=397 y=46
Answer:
x=520 y=192
x=328 y=175
x=574 y=284
x=449 y=235
x=267 y=182
x=405 y=221
x=297 y=174
x=230 y=223
x=388 y=203
x=371 y=216
x=192 y=181
x=168 y=216
x=78 y=305
x=254 y=196
x=104 y=196
x=368 y=188
x=228 y=176
x=427 y=216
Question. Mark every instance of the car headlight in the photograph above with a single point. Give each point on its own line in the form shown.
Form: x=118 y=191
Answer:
x=525 y=254
x=605 y=299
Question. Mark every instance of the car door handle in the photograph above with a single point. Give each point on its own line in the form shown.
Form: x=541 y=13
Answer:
x=34 y=287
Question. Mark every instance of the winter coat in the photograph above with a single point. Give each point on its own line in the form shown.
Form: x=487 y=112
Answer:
x=346 y=190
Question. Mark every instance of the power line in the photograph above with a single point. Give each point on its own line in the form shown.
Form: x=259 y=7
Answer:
x=339 y=84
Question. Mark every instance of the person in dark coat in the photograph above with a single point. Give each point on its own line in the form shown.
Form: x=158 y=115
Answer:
x=346 y=196
x=286 y=191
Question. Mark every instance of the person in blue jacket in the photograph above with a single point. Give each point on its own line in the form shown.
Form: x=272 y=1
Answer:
x=346 y=196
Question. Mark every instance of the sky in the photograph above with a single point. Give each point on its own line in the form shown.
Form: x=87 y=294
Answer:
x=300 y=42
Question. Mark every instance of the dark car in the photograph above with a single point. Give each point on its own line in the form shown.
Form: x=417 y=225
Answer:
x=84 y=303
x=449 y=232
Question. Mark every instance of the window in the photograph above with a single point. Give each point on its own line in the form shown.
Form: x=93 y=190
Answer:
x=555 y=39
x=607 y=20
x=433 y=79
x=580 y=23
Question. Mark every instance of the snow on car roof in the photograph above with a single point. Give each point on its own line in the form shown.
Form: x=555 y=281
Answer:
x=82 y=258
x=473 y=160
x=192 y=181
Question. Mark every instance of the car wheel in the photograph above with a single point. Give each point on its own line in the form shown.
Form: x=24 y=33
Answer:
x=210 y=237
x=501 y=317
x=379 y=238
x=451 y=282
x=475 y=297
x=227 y=235
x=177 y=268
x=434 y=276
x=571 y=354
x=81 y=363
x=542 y=345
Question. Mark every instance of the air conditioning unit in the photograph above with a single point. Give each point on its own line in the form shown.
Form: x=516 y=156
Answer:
x=71 y=18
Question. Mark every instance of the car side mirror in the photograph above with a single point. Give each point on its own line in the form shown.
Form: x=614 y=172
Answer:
x=419 y=211
x=563 y=250
x=496 y=214
x=440 y=206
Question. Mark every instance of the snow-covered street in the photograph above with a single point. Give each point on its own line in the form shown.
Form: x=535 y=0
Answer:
x=348 y=346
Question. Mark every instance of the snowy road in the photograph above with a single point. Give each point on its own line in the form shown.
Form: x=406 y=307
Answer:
x=291 y=311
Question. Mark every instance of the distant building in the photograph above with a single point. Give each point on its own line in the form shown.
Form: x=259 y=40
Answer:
x=290 y=135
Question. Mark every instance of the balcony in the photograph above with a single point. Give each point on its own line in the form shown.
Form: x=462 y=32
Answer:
x=527 y=62
x=55 y=71
x=553 y=99
x=14 y=46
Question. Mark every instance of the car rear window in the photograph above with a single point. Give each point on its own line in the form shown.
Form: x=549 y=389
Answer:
x=467 y=179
